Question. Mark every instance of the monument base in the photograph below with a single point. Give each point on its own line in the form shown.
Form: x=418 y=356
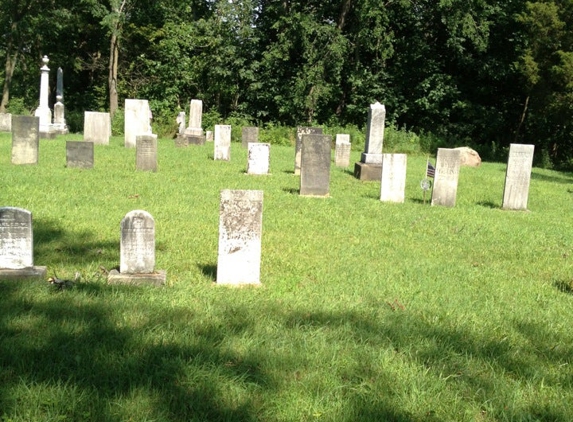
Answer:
x=368 y=172
x=195 y=139
x=181 y=141
x=29 y=273
x=155 y=279
x=48 y=135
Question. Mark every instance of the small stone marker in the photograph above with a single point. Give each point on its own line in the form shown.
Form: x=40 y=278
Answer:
x=517 y=177
x=393 y=183
x=97 y=127
x=300 y=131
x=315 y=165
x=240 y=232
x=137 y=117
x=79 y=154
x=146 y=153
x=258 y=158
x=446 y=177
x=16 y=245
x=342 y=150
x=223 y=142
x=370 y=165
x=137 y=251
x=249 y=135
x=5 y=122
x=25 y=139
x=209 y=135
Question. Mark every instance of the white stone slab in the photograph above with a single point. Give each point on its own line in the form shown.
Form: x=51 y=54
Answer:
x=222 y=142
x=25 y=139
x=137 y=246
x=258 y=158
x=137 y=120
x=393 y=183
x=16 y=240
x=518 y=177
x=97 y=127
x=446 y=177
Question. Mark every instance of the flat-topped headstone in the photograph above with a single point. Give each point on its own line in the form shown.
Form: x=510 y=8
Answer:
x=137 y=118
x=5 y=122
x=393 y=183
x=300 y=131
x=146 y=153
x=518 y=177
x=240 y=232
x=315 y=165
x=79 y=154
x=446 y=177
x=342 y=150
x=25 y=139
x=97 y=127
x=223 y=142
x=258 y=158
x=195 y=118
x=249 y=135
x=370 y=165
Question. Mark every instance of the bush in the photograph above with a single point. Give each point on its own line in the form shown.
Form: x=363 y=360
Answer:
x=277 y=134
x=118 y=123
x=17 y=106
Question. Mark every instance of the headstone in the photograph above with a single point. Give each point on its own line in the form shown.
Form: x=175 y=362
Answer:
x=25 y=139
x=195 y=118
x=370 y=165
x=249 y=135
x=79 y=154
x=517 y=177
x=59 y=126
x=146 y=153
x=137 y=120
x=342 y=150
x=5 y=122
x=300 y=131
x=137 y=251
x=209 y=136
x=97 y=127
x=43 y=111
x=240 y=232
x=315 y=165
x=16 y=245
x=393 y=183
x=181 y=122
x=446 y=177
x=223 y=142
x=258 y=158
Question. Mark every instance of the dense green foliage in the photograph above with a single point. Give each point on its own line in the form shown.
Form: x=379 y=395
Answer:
x=482 y=73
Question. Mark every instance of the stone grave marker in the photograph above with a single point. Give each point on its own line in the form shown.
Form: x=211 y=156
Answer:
x=97 y=127
x=446 y=177
x=195 y=118
x=518 y=177
x=5 y=122
x=209 y=136
x=370 y=165
x=146 y=153
x=393 y=183
x=240 y=232
x=43 y=111
x=25 y=139
x=249 y=135
x=181 y=122
x=300 y=131
x=258 y=158
x=79 y=154
x=342 y=150
x=137 y=118
x=59 y=125
x=223 y=142
x=315 y=165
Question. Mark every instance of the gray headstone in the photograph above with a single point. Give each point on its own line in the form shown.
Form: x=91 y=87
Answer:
x=16 y=241
x=146 y=153
x=97 y=127
x=240 y=232
x=137 y=120
x=258 y=158
x=249 y=135
x=209 y=136
x=223 y=142
x=517 y=177
x=181 y=122
x=446 y=177
x=342 y=150
x=393 y=183
x=374 y=134
x=315 y=165
x=137 y=245
x=5 y=122
x=25 y=139
x=79 y=154
x=300 y=131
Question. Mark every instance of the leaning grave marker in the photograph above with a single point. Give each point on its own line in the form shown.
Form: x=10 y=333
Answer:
x=25 y=139
x=518 y=177
x=315 y=165
x=446 y=177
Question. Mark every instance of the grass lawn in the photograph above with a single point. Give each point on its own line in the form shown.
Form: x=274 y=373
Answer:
x=368 y=311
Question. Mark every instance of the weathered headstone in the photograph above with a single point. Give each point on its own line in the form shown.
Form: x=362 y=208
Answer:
x=240 y=232
x=16 y=245
x=146 y=153
x=5 y=122
x=315 y=165
x=209 y=136
x=223 y=142
x=79 y=154
x=446 y=177
x=517 y=177
x=393 y=183
x=342 y=150
x=195 y=118
x=97 y=127
x=300 y=131
x=137 y=251
x=43 y=111
x=137 y=118
x=258 y=158
x=249 y=135
x=59 y=126
x=370 y=165
x=181 y=122
x=25 y=139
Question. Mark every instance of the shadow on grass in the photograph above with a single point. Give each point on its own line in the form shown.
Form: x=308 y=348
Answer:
x=565 y=286
x=209 y=270
x=488 y=204
x=553 y=179
x=292 y=191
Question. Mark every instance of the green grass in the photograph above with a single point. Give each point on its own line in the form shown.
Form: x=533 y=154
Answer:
x=369 y=311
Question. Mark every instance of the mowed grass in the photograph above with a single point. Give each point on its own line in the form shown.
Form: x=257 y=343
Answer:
x=368 y=311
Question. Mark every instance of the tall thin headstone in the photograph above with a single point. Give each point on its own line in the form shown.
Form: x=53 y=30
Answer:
x=249 y=135
x=518 y=177
x=342 y=150
x=59 y=125
x=146 y=153
x=315 y=165
x=446 y=177
x=97 y=127
x=181 y=122
x=393 y=183
x=79 y=154
x=240 y=233
x=137 y=120
x=195 y=118
x=43 y=111
x=370 y=165
x=258 y=158
x=223 y=142
x=300 y=131
x=25 y=139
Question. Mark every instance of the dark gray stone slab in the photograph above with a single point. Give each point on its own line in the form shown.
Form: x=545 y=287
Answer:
x=315 y=165
x=249 y=135
x=446 y=177
x=368 y=172
x=79 y=154
x=146 y=153
x=518 y=177
x=300 y=131
x=25 y=139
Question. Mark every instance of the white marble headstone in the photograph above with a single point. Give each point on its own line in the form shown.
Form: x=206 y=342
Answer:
x=258 y=158
x=223 y=142
x=97 y=127
x=137 y=246
x=137 y=120
x=518 y=176
x=16 y=240
x=446 y=178
x=393 y=183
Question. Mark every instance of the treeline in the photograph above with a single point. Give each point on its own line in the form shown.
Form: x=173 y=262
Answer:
x=464 y=72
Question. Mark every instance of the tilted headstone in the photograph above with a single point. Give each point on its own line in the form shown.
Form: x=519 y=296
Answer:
x=137 y=120
x=5 y=122
x=370 y=165
x=446 y=177
x=518 y=177
x=209 y=136
x=300 y=131
x=97 y=127
x=393 y=183
x=249 y=135
x=342 y=150
x=43 y=111
x=223 y=142
x=315 y=165
x=16 y=245
x=258 y=161
x=195 y=118
x=240 y=232
x=25 y=139
x=146 y=153
x=79 y=154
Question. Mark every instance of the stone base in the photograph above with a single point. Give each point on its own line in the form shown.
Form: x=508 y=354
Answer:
x=155 y=279
x=368 y=172
x=195 y=139
x=181 y=141
x=29 y=273
x=47 y=135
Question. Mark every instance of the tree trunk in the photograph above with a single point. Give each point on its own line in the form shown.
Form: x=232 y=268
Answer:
x=112 y=78
x=11 y=58
x=345 y=7
x=522 y=119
